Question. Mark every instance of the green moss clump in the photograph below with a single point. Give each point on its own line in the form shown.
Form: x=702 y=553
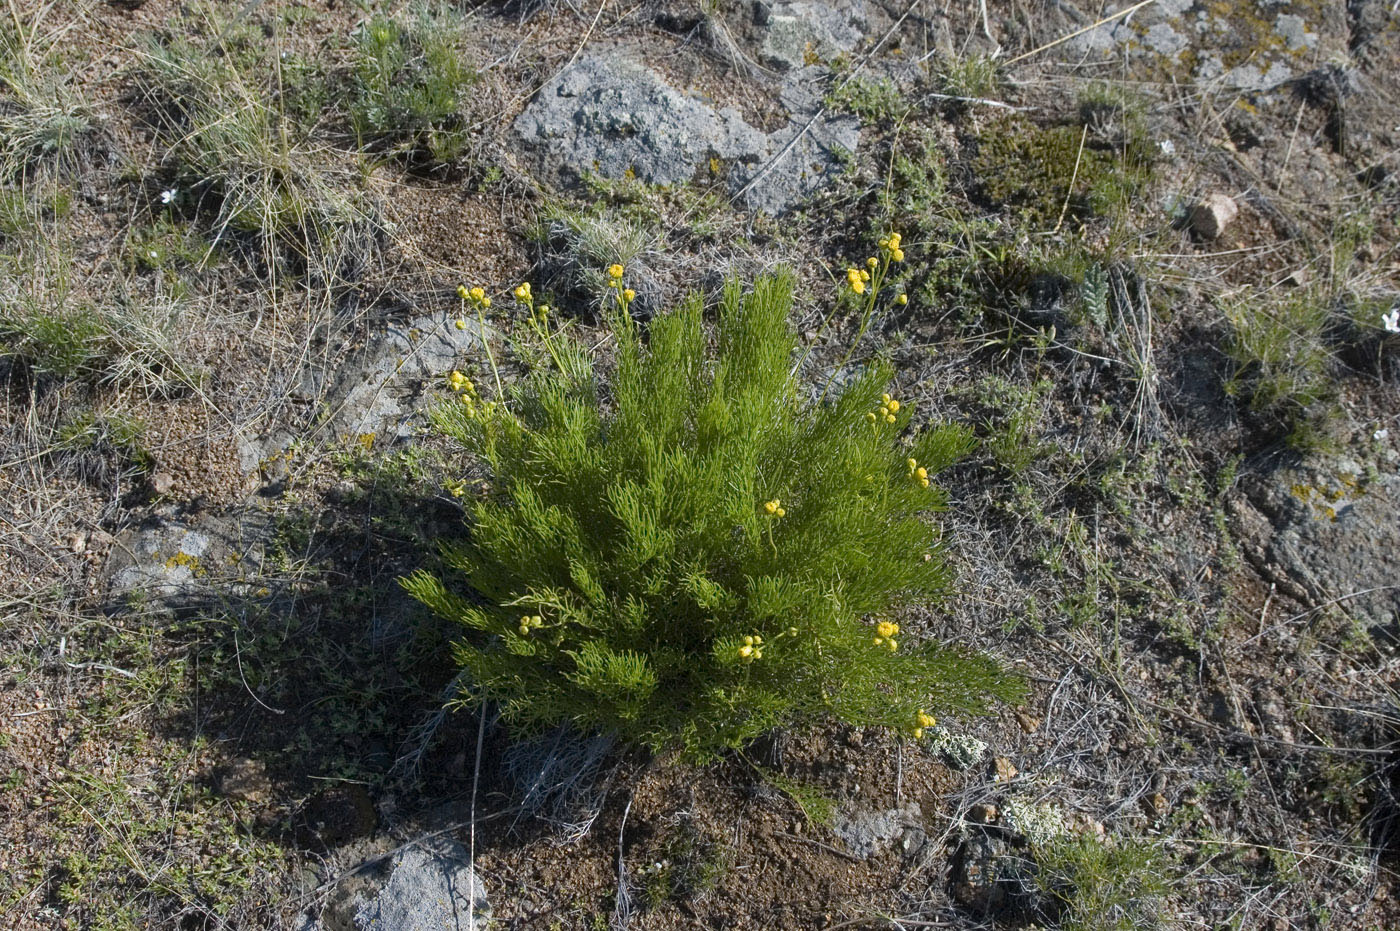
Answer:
x=1042 y=173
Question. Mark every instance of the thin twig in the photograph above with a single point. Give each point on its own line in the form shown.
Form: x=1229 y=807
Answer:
x=1079 y=32
x=471 y=814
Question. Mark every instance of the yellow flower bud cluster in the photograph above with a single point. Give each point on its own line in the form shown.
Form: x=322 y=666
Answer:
x=885 y=634
x=625 y=296
x=885 y=412
x=917 y=472
x=459 y=383
x=774 y=508
x=923 y=720
x=752 y=648
x=528 y=623
x=522 y=293
x=476 y=296
x=857 y=278
x=890 y=246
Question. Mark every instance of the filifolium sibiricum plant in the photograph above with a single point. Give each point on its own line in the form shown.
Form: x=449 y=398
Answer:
x=687 y=550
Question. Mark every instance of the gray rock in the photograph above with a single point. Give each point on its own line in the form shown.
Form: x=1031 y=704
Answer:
x=802 y=30
x=611 y=115
x=1212 y=215
x=801 y=157
x=1333 y=532
x=867 y=833
x=376 y=394
x=1294 y=30
x=1103 y=38
x=162 y=561
x=427 y=890
x=1164 y=40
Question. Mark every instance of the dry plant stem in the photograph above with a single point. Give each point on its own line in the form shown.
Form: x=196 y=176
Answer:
x=1079 y=32
x=1074 y=177
x=623 y=908
x=471 y=831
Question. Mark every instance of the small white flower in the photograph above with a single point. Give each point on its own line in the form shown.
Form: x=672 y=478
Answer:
x=1391 y=321
x=168 y=197
x=153 y=254
x=1380 y=434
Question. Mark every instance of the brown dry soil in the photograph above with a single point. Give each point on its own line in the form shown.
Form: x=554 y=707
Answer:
x=243 y=751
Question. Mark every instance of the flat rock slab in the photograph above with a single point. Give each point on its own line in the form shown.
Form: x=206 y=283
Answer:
x=174 y=562
x=801 y=31
x=1250 y=45
x=377 y=393
x=1333 y=530
x=611 y=116
x=427 y=890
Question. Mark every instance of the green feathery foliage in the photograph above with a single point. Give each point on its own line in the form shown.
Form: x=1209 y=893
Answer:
x=696 y=553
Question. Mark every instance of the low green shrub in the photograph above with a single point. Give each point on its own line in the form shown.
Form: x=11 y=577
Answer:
x=1282 y=362
x=410 y=83
x=1097 y=885
x=691 y=552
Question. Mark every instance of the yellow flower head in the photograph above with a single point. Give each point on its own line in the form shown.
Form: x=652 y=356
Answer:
x=893 y=406
x=918 y=733
x=864 y=275
x=891 y=645
x=872 y=262
x=629 y=295
x=746 y=651
x=461 y=324
x=476 y=294
x=897 y=255
x=462 y=291
x=457 y=380
x=886 y=629
x=926 y=720
x=902 y=299
x=615 y=271
x=913 y=464
x=771 y=507
x=885 y=399
x=921 y=473
x=870 y=417
x=522 y=293
x=486 y=302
